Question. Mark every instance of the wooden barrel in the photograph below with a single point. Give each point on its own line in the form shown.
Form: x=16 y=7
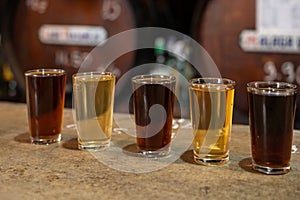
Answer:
x=29 y=28
x=50 y=33
x=245 y=49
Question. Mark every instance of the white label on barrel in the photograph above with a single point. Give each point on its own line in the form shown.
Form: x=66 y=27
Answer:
x=278 y=15
x=72 y=35
x=254 y=41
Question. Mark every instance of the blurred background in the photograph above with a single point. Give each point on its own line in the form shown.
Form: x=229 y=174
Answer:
x=248 y=40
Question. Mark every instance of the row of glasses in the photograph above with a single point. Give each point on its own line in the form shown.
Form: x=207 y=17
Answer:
x=272 y=107
x=271 y=115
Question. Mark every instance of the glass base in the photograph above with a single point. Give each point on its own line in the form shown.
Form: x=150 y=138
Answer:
x=155 y=153
x=93 y=145
x=270 y=170
x=211 y=160
x=45 y=141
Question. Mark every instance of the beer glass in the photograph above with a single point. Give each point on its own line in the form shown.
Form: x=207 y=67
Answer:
x=211 y=108
x=93 y=102
x=272 y=108
x=45 y=97
x=153 y=102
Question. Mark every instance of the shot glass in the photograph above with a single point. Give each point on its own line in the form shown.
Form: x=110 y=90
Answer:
x=272 y=108
x=93 y=102
x=153 y=102
x=45 y=97
x=211 y=108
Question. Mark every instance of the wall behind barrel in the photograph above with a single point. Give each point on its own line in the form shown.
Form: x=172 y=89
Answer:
x=8 y=85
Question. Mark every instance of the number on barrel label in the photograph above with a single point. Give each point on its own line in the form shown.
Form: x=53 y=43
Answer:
x=287 y=72
x=111 y=10
x=73 y=58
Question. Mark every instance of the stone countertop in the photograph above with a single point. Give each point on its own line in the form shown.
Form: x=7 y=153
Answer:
x=61 y=171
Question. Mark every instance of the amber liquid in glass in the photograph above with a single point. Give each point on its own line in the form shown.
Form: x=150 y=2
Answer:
x=211 y=116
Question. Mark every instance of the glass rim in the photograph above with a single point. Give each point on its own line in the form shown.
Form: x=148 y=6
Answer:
x=42 y=72
x=204 y=82
x=271 y=87
x=153 y=79
x=84 y=74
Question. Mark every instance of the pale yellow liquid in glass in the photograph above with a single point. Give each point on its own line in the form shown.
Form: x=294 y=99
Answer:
x=93 y=98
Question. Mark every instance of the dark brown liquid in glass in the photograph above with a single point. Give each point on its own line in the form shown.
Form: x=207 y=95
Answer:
x=145 y=97
x=272 y=128
x=46 y=103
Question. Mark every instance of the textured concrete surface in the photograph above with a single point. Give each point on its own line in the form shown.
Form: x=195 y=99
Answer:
x=60 y=171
